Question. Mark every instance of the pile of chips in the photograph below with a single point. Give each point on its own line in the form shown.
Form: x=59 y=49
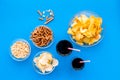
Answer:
x=86 y=30
x=45 y=62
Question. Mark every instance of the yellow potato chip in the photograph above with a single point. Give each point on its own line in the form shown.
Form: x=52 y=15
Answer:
x=73 y=37
x=81 y=43
x=75 y=29
x=83 y=18
x=70 y=31
x=79 y=36
x=76 y=19
x=83 y=30
x=86 y=40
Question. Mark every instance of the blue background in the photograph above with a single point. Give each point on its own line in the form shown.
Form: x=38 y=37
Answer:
x=18 y=18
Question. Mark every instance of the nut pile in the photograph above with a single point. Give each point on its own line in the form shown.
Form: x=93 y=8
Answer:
x=20 y=49
x=45 y=62
x=42 y=36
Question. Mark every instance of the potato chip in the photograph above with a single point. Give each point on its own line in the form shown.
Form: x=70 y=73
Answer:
x=70 y=31
x=83 y=18
x=54 y=62
x=49 y=67
x=81 y=43
x=78 y=36
x=83 y=30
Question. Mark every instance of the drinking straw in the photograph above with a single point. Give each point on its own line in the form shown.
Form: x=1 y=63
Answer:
x=85 y=61
x=74 y=49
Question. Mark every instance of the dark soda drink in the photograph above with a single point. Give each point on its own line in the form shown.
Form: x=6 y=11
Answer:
x=62 y=47
x=76 y=64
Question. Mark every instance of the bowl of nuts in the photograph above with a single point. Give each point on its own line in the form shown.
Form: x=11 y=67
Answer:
x=85 y=29
x=42 y=37
x=20 y=50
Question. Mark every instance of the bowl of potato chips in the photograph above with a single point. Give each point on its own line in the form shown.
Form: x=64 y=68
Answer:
x=44 y=63
x=85 y=29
